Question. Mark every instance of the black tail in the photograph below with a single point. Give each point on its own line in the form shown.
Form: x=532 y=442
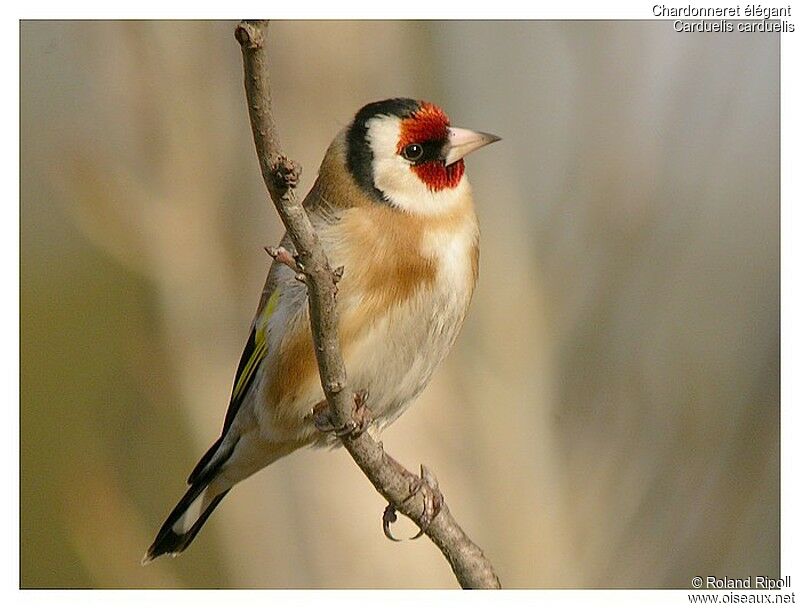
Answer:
x=168 y=541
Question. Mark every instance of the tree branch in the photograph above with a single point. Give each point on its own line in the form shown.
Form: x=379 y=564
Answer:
x=407 y=493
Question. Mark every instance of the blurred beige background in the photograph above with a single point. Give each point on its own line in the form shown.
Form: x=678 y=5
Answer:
x=609 y=416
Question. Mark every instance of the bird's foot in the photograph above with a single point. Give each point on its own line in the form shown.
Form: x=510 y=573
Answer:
x=360 y=418
x=338 y=273
x=432 y=499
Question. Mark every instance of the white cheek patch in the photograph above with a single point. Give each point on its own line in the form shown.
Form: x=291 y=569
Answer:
x=394 y=177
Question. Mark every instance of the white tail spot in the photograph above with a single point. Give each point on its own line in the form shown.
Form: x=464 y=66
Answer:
x=190 y=516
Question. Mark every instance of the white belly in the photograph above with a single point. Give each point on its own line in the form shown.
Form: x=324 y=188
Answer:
x=396 y=359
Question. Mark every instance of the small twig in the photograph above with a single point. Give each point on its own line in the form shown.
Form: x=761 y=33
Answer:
x=409 y=494
x=284 y=256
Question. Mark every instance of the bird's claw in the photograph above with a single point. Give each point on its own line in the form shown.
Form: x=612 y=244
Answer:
x=389 y=516
x=337 y=275
x=361 y=414
x=432 y=499
x=360 y=418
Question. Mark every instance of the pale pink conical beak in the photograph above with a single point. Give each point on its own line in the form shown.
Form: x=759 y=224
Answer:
x=463 y=141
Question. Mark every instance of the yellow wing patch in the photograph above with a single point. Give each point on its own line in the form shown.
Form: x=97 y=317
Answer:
x=258 y=349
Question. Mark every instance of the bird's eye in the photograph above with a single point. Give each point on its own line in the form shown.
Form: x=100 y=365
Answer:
x=413 y=152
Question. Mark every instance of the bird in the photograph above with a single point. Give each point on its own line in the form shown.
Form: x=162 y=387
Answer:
x=393 y=208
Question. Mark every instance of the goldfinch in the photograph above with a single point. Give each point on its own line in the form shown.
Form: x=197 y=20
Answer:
x=392 y=206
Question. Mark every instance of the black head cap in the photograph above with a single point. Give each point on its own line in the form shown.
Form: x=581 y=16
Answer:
x=359 y=153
